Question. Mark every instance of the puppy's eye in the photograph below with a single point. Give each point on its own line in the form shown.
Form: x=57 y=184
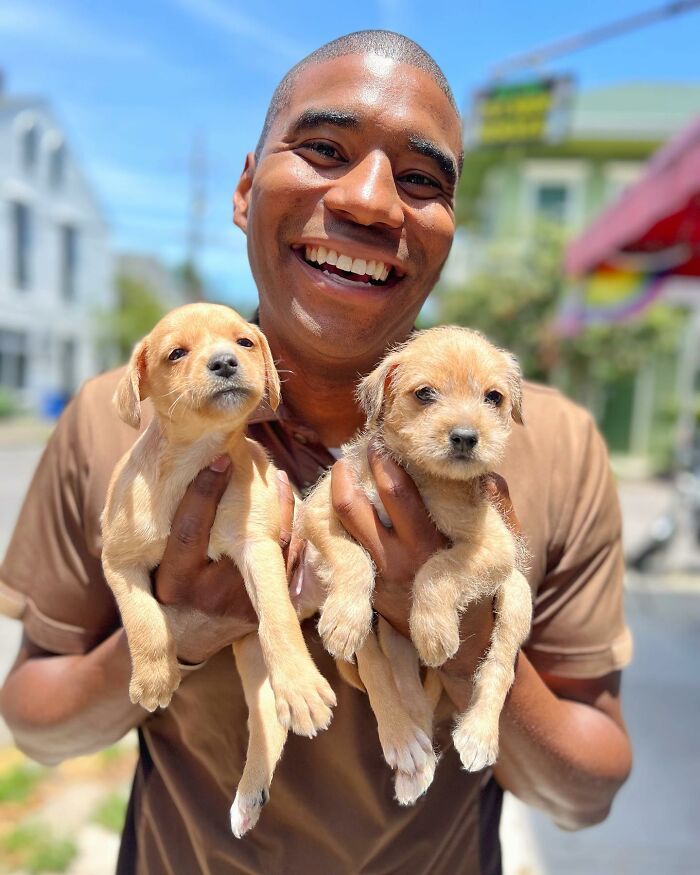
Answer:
x=243 y=341
x=494 y=398
x=426 y=394
x=177 y=354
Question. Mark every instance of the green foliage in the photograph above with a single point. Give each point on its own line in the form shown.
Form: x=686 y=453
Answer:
x=138 y=309
x=515 y=297
x=8 y=404
x=32 y=847
x=111 y=812
x=17 y=784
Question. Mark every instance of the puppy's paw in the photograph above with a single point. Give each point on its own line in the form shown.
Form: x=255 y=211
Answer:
x=245 y=811
x=303 y=699
x=435 y=635
x=152 y=684
x=476 y=741
x=344 y=626
x=405 y=746
x=410 y=786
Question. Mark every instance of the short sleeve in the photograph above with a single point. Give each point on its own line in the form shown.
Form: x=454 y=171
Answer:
x=51 y=577
x=579 y=629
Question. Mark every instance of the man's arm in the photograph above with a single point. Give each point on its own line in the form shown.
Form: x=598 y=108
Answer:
x=60 y=706
x=563 y=744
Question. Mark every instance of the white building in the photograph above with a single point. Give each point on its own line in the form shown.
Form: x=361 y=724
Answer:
x=55 y=261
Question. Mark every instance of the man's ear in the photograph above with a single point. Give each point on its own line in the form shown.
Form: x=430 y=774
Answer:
x=272 y=380
x=372 y=389
x=241 y=196
x=132 y=387
x=515 y=388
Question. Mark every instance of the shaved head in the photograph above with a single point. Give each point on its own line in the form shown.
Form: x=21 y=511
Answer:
x=384 y=43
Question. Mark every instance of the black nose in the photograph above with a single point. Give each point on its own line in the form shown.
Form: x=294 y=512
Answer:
x=464 y=439
x=223 y=365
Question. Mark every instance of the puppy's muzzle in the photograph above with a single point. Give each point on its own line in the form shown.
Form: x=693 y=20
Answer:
x=223 y=365
x=462 y=442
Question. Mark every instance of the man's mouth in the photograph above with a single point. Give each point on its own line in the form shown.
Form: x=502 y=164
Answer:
x=354 y=271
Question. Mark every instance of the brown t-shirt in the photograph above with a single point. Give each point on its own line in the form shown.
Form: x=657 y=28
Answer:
x=331 y=810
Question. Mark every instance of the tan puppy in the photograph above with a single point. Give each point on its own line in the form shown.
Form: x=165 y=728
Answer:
x=205 y=370
x=441 y=405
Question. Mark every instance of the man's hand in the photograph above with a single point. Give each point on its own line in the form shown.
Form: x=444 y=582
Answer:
x=400 y=551
x=206 y=602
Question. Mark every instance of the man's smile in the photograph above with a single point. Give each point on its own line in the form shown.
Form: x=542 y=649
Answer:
x=347 y=269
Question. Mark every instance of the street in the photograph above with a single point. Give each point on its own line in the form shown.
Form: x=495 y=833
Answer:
x=653 y=828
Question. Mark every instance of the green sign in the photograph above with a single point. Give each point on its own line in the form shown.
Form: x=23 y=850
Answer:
x=536 y=111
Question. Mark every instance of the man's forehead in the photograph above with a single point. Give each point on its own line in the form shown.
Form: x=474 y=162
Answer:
x=358 y=83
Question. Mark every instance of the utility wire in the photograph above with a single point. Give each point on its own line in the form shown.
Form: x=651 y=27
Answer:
x=588 y=38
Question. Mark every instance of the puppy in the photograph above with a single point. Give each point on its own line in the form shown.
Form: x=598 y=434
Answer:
x=441 y=406
x=205 y=369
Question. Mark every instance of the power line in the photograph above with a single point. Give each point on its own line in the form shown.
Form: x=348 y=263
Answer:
x=596 y=35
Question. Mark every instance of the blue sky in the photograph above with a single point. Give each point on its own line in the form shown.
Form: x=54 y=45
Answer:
x=132 y=82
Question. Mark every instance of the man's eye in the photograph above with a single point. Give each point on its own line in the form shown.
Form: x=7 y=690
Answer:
x=324 y=149
x=419 y=179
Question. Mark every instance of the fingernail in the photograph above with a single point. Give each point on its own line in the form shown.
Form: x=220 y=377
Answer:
x=220 y=463
x=282 y=475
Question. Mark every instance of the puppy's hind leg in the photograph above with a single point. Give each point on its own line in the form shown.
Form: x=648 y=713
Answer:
x=266 y=736
x=476 y=733
x=406 y=747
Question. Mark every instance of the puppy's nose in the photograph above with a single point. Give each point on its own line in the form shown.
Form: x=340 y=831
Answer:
x=223 y=365
x=464 y=439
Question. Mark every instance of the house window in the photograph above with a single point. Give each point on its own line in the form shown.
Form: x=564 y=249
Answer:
x=551 y=201
x=69 y=262
x=21 y=244
x=57 y=166
x=29 y=148
x=13 y=359
x=67 y=365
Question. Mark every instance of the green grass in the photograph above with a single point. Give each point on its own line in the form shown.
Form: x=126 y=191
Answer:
x=111 y=754
x=17 y=784
x=111 y=812
x=33 y=848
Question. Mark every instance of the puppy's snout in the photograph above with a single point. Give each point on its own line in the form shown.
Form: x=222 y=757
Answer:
x=223 y=365
x=463 y=440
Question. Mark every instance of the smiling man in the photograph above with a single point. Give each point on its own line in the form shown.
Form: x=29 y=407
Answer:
x=348 y=208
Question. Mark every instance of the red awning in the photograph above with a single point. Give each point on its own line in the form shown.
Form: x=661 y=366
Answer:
x=656 y=222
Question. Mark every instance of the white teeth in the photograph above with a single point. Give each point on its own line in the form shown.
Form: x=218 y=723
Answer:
x=360 y=266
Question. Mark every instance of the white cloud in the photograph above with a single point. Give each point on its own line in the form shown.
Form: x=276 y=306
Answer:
x=241 y=25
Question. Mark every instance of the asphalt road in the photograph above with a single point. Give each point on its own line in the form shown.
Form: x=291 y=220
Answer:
x=654 y=828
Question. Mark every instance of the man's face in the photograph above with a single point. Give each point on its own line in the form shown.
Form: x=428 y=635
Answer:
x=359 y=168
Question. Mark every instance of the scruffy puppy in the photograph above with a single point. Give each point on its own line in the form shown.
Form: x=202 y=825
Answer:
x=441 y=406
x=205 y=370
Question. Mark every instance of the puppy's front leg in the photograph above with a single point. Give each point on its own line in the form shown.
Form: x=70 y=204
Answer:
x=266 y=736
x=303 y=696
x=476 y=733
x=154 y=671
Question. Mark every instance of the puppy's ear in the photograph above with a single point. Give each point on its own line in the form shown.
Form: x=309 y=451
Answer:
x=371 y=390
x=132 y=389
x=515 y=388
x=272 y=379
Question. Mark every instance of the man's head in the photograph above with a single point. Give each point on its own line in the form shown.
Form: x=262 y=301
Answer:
x=348 y=201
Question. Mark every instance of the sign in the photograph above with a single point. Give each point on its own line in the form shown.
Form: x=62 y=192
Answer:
x=535 y=111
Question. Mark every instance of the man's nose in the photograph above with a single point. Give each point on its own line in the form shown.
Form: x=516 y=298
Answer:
x=367 y=194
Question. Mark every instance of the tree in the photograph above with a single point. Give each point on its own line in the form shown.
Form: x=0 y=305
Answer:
x=137 y=310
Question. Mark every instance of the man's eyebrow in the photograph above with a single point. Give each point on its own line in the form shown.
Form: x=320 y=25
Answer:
x=315 y=118
x=430 y=150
